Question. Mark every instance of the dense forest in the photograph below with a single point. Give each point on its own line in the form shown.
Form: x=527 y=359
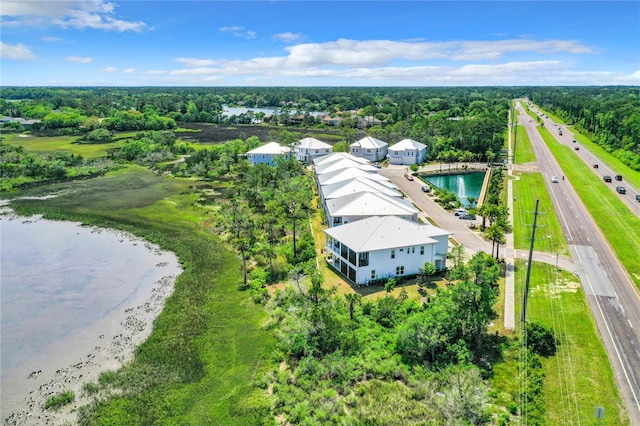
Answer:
x=610 y=117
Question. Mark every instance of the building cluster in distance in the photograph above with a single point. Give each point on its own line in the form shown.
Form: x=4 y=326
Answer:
x=373 y=232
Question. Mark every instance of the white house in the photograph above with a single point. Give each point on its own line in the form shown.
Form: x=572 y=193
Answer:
x=310 y=148
x=407 y=152
x=370 y=148
x=361 y=205
x=377 y=248
x=267 y=153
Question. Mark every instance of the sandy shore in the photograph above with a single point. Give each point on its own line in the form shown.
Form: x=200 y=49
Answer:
x=125 y=330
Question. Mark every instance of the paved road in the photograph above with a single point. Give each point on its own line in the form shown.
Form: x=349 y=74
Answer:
x=613 y=297
x=590 y=159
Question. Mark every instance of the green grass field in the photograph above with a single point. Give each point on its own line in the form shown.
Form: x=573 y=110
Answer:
x=617 y=222
x=579 y=376
x=523 y=150
x=44 y=145
x=549 y=238
x=207 y=345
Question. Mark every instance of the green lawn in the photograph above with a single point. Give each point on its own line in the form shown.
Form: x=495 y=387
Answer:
x=207 y=345
x=49 y=144
x=579 y=377
x=523 y=150
x=614 y=218
x=549 y=238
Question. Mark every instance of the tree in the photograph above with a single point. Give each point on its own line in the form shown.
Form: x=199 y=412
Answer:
x=426 y=273
x=390 y=285
x=352 y=299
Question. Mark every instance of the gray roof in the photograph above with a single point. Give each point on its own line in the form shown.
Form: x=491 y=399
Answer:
x=348 y=173
x=369 y=143
x=381 y=233
x=312 y=143
x=369 y=204
x=337 y=156
x=407 y=144
x=342 y=164
x=356 y=185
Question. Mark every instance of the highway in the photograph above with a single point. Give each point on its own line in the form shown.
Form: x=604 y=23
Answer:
x=613 y=297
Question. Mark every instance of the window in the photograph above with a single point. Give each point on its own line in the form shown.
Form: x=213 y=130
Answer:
x=421 y=249
x=373 y=273
x=413 y=250
x=368 y=150
x=363 y=259
x=393 y=254
x=337 y=220
x=402 y=249
x=395 y=152
x=399 y=270
x=317 y=151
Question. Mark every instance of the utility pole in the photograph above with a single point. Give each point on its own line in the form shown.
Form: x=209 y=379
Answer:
x=523 y=315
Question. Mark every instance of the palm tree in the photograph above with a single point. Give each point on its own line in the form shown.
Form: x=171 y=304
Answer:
x=352 y=299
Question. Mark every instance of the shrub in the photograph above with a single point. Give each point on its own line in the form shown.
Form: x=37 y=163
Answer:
x=58 y=400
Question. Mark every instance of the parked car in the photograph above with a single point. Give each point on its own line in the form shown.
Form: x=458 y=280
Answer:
x=425 y=188
x=554 y=179
x=377 y=165
x=460 y=212
x=467 y=216
x=606 y=178
x=621 y=189
x=595 y=166
x=618 y=177
x=409 y=177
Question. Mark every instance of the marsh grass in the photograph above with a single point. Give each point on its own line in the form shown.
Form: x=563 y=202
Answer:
x=44 y=145
x=207 y=344
x=58 y=400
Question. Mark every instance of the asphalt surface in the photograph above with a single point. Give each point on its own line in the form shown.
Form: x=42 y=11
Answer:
x=613 y=297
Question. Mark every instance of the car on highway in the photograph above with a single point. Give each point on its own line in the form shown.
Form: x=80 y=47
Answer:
x=467 y=216
x=574 y=141
x=577 y=148
x=621 y=189
x=618 y=177
x=638 y=197
x=409 y=177
x=606 y=178
x=554 y=179
x=425 y=188
x=595 y=166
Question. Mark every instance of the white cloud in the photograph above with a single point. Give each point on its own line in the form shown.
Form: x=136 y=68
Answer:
x=110 y=69
x=238 y=31
x=195 y=62
x=154 y=72
x=16 y=52
x=52 y=39
x=194 y=71
x=288 y=37
x=96 y=14
x=78 y=59
x=129 y=70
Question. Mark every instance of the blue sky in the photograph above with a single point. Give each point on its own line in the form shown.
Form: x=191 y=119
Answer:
x=319 y=43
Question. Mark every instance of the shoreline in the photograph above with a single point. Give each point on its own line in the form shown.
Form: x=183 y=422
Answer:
x=123 y=330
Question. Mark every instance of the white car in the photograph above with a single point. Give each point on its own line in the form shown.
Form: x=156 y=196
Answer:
x=459 y=212
x=554 y=179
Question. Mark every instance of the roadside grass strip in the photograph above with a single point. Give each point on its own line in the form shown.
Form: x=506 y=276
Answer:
x=523 y=150
x=617 y=222
x=579 y=377
x=208 y=344
x=549 y=237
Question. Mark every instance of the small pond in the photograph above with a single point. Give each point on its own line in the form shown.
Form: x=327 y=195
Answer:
x=463 y=185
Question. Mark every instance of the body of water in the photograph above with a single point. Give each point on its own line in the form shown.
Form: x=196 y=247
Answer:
x=463 y=185
x=67 y=291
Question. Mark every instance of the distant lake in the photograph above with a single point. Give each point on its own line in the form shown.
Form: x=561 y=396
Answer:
x=65 y=289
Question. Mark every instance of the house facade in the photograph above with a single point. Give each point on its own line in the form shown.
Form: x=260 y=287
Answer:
x=267 y=153
x=308 y=149
x=407 y=152
x=369 y=148
x=378 y=248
